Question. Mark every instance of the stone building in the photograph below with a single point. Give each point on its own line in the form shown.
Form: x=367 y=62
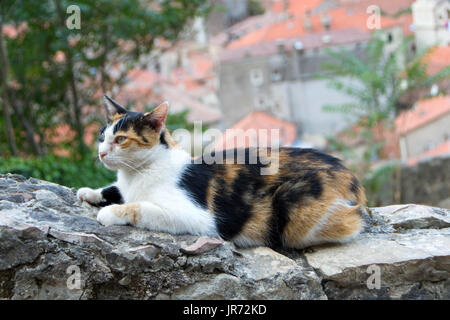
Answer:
x=431 y=22
x=425 y=130
x=275 y=68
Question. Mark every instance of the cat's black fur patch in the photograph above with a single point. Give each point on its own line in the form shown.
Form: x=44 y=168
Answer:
x=232 y=212
x=131 y=119
x=317 y=156
x=101 y=136
x=230 y=203
x=230 y=207
x=354 y=185
x=138 y=121
x=111 y=195
x=162 y=139
x=288 y=194
x=195 y=180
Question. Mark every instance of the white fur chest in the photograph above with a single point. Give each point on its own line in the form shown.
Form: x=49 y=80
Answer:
x=156 y=182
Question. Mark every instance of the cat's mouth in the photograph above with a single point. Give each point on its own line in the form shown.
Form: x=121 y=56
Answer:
x=107 y=162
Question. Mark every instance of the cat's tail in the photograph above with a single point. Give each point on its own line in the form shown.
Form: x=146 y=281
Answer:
x=344 y=223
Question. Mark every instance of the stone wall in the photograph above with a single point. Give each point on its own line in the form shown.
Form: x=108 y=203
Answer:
x=51 y=247
x=426 y=183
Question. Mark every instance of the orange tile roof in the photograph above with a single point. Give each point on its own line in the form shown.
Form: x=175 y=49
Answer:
x=150 y=88
x=258 y=120
x=437 y=59
x=180 y=100
x=424 y=112
x=440 y=150
x=344 y=14
x=309 y=41
x=341 y=19
x=142 y=78
x=295 y=7
x=244 y=27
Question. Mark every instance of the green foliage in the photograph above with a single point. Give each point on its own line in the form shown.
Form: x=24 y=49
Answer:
x=383 y=78
x=385 y=81
x=61 y=170
x=51 y=91
x=379 y=184
x=255 y=8
x=87 y=171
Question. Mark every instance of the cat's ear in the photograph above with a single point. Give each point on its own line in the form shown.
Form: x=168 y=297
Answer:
x=157 y=116
x=112 y=108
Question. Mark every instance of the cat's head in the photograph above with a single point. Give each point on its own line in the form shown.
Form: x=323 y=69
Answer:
x=130 y=139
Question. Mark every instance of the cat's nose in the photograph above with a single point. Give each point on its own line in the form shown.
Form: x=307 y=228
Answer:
x=102 y=155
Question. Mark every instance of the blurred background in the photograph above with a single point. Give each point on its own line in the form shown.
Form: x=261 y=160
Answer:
x=365 y=80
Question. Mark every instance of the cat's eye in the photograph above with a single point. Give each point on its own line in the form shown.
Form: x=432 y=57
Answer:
x=120 y=139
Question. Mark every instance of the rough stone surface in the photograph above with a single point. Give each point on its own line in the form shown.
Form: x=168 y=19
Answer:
x=426 y=183
x=51 y=247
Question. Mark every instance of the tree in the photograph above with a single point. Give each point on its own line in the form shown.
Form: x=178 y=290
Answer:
x=52 y=72
x=384 y=83
x=383 y=78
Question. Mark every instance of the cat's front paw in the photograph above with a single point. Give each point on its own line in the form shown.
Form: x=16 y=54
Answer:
x=109 y=216
x=89 y=195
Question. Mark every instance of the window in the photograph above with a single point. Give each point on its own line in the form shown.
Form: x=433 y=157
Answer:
x=256 y=77
x=276 y=75
x=390 y=37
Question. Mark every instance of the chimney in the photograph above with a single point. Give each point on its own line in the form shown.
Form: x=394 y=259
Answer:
x=325 y=19
x=307 y=20
x=285 y=6
x=285 y=13
x=281 y=47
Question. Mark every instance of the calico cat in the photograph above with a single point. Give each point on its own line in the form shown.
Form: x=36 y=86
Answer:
x=311 y=199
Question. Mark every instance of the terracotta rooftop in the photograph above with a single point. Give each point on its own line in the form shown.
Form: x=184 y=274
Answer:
x=309 y=41
x=440 y=150
x=258 y=34
x=424 y=112
x=179 y=101
x=244 y=27
x=340 y=19
x=437 y=59
x=296 y=7
x=258 y=120
x=151 y=88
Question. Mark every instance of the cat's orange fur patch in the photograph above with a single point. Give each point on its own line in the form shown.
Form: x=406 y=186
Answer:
x=341 y=225
x=257 y=227
x=117 y=117
x=129 y=211
x=302 y=221
x=148 y=139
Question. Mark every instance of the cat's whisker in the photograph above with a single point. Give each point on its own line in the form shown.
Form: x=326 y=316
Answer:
x=131 y=167
x=124 y=161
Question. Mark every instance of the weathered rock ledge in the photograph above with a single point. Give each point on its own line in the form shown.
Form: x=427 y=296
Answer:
x=46 y=237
